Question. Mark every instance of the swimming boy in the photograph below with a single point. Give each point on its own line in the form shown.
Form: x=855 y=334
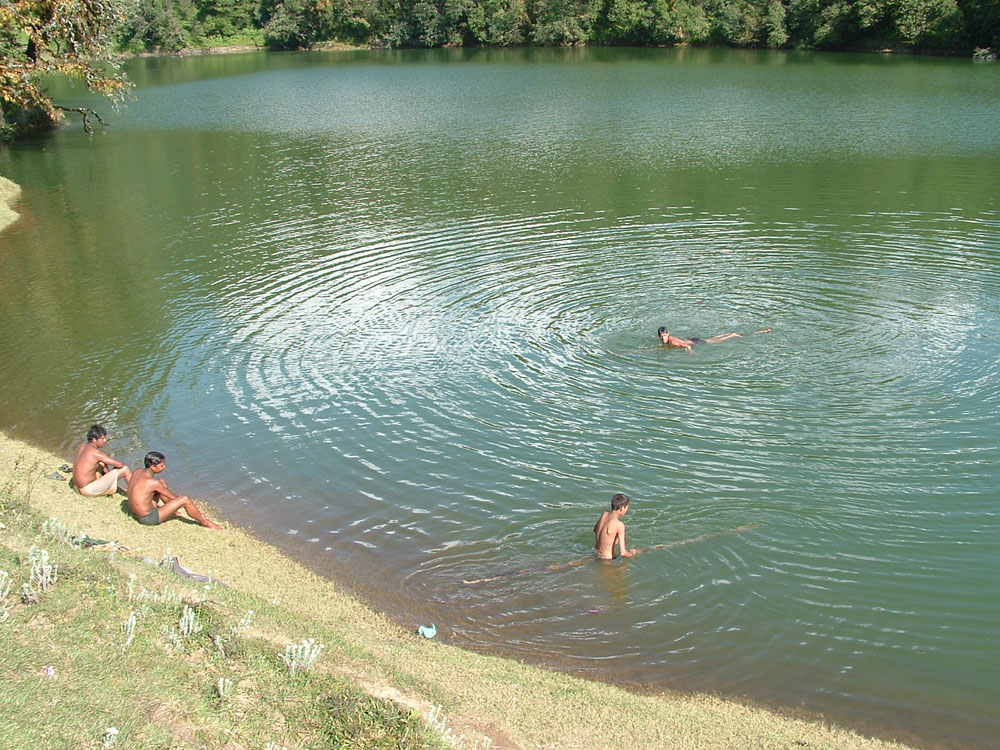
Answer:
x=666 y=338
x=94 y=472
x=145 y=491
x=610 y=530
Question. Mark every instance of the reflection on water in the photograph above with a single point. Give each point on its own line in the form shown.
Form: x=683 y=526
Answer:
x=401 y=321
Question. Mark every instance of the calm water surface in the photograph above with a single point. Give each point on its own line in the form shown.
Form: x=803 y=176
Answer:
x=396 y=312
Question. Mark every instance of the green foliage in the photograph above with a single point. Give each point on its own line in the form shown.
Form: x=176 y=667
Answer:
x=225 y=18
x=874 y=24
x=774 y=25
x=430 y=23
x=39 y=38
x=156 y=24
x=292 y=26
x=497 y=23
x=298 y=24
x=563 y=21
x=680 y=21
x=951 y=25
x=980 y=24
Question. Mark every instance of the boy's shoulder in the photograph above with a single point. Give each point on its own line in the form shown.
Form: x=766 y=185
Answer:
x=610 y=519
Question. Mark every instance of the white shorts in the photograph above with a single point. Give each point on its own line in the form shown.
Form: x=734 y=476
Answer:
x=103 y=485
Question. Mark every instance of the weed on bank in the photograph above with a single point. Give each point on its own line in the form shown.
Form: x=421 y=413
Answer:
x=99 y=649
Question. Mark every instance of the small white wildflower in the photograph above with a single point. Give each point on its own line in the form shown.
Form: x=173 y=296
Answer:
x=223 y=687
x=128 y=630
x=110 y=735
x=188 y=624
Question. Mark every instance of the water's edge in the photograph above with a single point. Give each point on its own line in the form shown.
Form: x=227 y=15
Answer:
x=406 y=612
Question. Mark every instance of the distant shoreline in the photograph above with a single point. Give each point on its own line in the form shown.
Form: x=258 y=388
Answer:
x=235 y=49
x=230 y=49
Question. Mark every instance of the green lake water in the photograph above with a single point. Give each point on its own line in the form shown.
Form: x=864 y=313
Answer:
x=396 y=311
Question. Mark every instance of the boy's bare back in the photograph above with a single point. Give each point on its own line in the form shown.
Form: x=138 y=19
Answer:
x=143 y=491
x=606 y=533
x=610 y=530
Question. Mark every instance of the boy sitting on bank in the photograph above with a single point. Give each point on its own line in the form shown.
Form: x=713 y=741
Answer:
x=610 y=530
x=94 y=472
x=152 y=502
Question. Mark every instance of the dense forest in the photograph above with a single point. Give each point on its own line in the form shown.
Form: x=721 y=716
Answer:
x=954 y=26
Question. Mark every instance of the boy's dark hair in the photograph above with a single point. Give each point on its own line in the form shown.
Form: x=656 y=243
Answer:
x=619 y=501
x=153 y=458
x=661 y=330
x=96 y=432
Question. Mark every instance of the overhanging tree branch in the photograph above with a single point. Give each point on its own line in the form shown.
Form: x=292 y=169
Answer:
x=39 y=38
x=87 y=114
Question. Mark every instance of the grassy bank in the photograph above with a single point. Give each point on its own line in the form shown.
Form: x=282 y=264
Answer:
x=8 y=193
x=170 y=662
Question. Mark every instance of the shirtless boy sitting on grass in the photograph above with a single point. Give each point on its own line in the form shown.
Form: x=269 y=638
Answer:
x=145 y=491
x=94 y=472
x=610 y=530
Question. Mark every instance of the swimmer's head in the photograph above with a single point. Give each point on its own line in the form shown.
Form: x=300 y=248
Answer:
x=619 y=501
x=96 y=432
x=663 y=334
x=153 y=458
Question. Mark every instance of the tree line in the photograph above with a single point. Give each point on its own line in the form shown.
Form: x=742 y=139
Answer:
x=953 y=26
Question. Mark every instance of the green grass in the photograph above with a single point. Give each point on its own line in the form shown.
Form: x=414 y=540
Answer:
x=375 y=685
x=162 y=689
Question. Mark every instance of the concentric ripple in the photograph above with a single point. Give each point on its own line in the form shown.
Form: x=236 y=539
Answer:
x=480 y=388
x=456 y=400
x=397 y=314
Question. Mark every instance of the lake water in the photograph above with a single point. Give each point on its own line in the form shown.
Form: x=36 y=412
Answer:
x=396 y=313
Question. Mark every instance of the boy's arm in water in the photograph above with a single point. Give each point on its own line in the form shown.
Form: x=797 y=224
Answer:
x=622 y=549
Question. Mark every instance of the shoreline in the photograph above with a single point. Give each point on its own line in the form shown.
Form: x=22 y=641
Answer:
x=9 y=192
x=479 y=692
x=236 y=49
x=231 y=49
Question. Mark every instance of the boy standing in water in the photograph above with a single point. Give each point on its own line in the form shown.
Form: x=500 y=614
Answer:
x=94 y=472
x=610 y=530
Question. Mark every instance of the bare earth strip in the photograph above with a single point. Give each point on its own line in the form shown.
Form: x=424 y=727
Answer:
x=515 y=705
